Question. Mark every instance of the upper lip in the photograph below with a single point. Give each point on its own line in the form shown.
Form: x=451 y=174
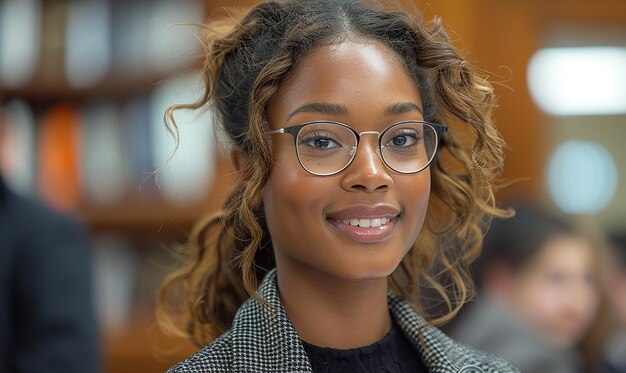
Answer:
x=365 y=212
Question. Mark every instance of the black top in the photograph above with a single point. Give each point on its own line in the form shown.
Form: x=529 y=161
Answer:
x=392 y=354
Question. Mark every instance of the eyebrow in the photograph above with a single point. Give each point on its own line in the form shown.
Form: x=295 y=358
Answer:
x=321 y=107
x=401 y=108
x=336 y=109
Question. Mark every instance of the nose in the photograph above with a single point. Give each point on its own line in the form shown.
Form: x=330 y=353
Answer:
x=367 y=172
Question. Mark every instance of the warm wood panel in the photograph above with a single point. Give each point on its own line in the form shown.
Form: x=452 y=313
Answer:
x=501 y=37
x=143 y=348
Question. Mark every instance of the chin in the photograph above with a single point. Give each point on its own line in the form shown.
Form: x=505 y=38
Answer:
x=565 y=340
x=371 y=271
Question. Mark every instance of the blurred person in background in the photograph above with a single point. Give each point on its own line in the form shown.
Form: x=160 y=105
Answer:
x=538 y=295
x=47 y=319
x=615 y=288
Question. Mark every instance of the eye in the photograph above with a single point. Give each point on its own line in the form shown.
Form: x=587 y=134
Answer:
x=319 y=141
x=404 y=138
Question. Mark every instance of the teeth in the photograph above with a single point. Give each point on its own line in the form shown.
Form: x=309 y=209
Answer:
x=366 y=223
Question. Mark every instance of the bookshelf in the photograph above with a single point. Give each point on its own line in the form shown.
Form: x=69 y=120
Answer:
x=111 y=122
x=156 y=215
x=114 y=85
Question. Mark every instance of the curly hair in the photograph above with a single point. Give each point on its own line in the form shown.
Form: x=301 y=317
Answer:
x=244 y=65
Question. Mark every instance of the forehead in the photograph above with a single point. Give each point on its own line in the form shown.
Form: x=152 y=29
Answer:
x=365 y=76
x=566 y=252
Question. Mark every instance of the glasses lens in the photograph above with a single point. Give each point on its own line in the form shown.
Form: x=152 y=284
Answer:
x=325 y=148
x=409 y=147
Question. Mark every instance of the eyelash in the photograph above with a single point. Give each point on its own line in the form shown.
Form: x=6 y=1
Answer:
x=318 y=135
x=417 y=136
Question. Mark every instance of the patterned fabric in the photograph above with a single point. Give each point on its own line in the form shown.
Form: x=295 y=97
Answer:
x=262 y=339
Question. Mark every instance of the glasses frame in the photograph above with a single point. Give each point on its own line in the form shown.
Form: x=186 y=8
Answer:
x=294 y=130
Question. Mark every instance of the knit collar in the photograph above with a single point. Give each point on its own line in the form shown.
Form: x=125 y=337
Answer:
x=277 y=344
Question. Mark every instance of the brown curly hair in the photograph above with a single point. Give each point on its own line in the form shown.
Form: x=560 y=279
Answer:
x=245 y=63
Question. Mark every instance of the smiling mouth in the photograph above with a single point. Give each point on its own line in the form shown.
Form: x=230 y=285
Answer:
x=366 y=223
x=366 y=230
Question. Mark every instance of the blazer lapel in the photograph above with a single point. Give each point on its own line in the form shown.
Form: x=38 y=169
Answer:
x=264 y=339
x=439 y=352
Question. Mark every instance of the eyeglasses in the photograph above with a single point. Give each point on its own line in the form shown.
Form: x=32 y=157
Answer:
x=326 y=148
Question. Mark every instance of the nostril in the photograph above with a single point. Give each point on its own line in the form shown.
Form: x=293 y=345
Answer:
x=359 y=187
x=368 y=184
x=382 y=188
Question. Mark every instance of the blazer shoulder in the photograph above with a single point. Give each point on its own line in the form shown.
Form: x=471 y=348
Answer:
x=483 y=362
x=217 y=357
x=439 y=352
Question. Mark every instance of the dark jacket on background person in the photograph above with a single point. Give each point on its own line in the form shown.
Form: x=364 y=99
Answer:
x=264 y=340
x=47 y=321
x=615 y=355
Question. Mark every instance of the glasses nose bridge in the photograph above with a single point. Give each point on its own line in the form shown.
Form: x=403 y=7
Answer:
x=358 y=142
x=359 y=134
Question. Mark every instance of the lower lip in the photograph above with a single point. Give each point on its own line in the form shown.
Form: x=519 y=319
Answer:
x=370 y=234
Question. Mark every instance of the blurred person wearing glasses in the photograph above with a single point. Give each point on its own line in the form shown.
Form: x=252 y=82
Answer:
x=539 y=299
x=47 y=319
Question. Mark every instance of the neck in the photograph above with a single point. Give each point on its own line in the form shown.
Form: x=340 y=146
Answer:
x=331 y=312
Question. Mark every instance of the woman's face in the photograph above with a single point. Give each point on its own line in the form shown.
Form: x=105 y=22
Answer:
x=557 y=293
x=362 y=84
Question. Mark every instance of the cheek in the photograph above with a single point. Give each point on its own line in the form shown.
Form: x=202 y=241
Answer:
x=546 y=301
x=418 y=193
x=286 y=180
x=541 y=301
x=589 y=302
x=414 y=194
x=292 y=200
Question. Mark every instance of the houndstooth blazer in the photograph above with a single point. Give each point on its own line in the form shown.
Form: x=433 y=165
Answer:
x=264 y=340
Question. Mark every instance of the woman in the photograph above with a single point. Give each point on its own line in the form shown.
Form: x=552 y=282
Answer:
x=335 y=111
x=538 y=277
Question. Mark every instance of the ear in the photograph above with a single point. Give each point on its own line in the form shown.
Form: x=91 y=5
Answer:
x=239 y=160
x=236 y=156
